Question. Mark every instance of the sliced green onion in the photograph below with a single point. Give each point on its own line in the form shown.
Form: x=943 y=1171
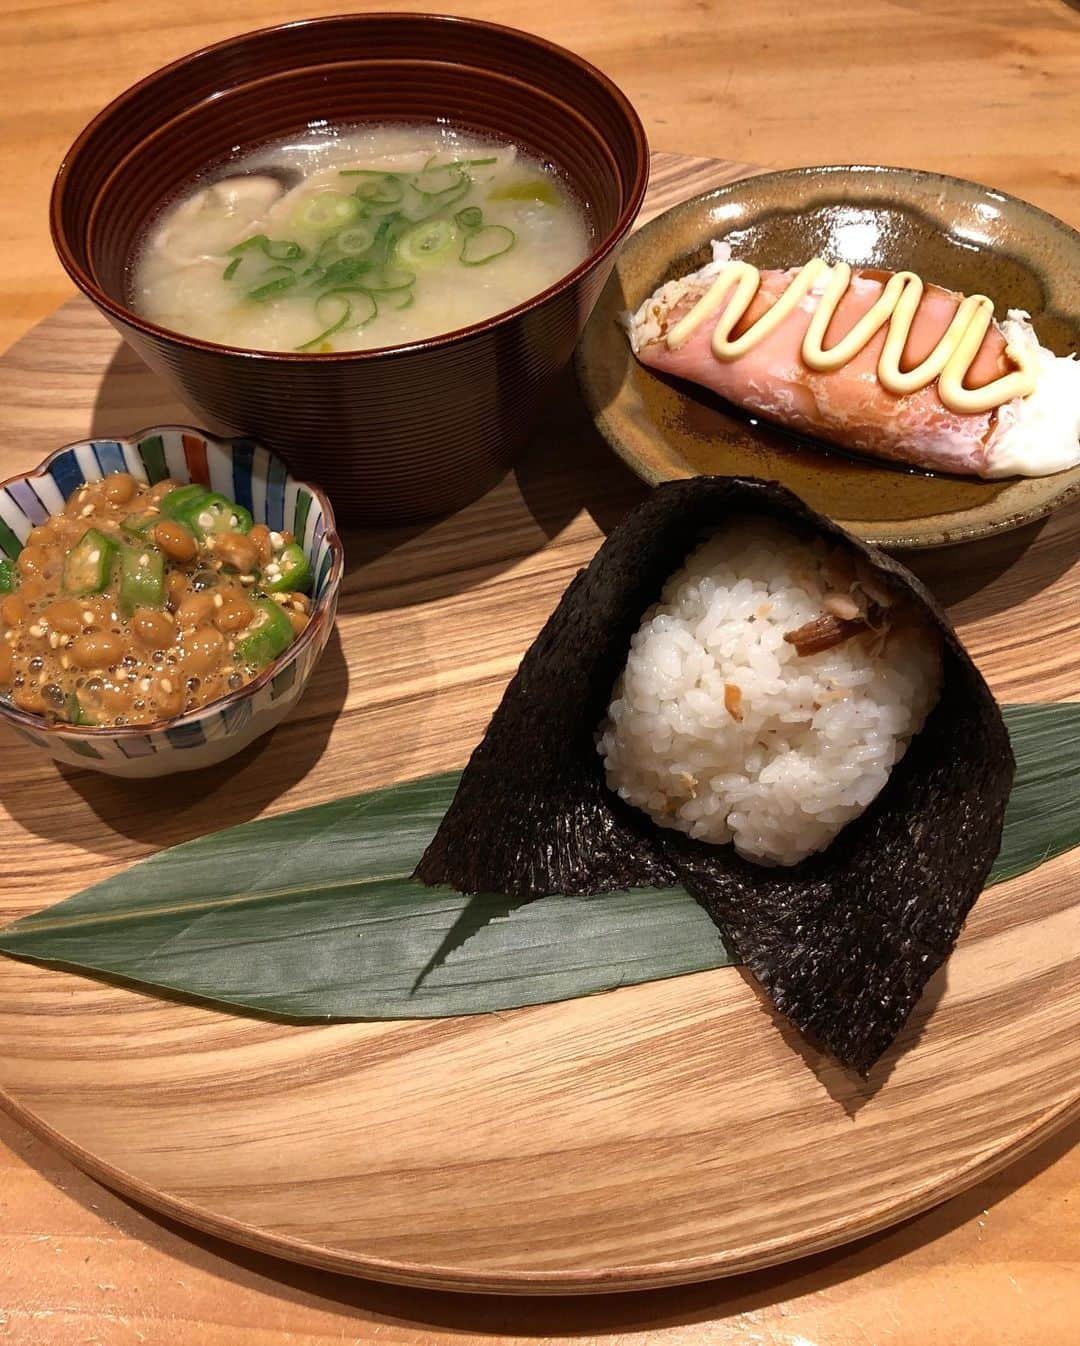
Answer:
x=346 y=314
x=326 y=212
x=345 y=318
x=427 y=243
x=355 y=240
x=377 y=210
x=272 y=287
x=390 y=230
x=230 y=270
x=414 y=205
x=436 y=181
x=255 y=241
x=278 y=250
x=283 y=250
x=368 y=302
x=485 y=244
x=386 y=190
x=428 y=205
x=325 y=253
x=389 y=278
x=475 y=163
x=472 y=217
x=344 y=271
x=452 y=194
x=398 y=299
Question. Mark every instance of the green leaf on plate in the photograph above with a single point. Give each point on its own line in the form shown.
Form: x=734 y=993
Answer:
x=312 y=914
x=1043 y=816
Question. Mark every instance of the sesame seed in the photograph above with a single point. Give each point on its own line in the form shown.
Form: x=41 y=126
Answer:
x=54 y=639
x=166 y=685
x=88 y=617
x=37 y=630
x=145 y=684
x=95 y=556
x=276 y=541
x=86 y=511
x=65 y=662
x=144 y=559
x=206 y=519
x=219 y=602
x=247 y=579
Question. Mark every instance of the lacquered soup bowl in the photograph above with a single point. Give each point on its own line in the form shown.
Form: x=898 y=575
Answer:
x=399 y=432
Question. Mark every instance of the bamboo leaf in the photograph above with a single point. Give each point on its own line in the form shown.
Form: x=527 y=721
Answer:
x=1043 y=816
x=313 y=915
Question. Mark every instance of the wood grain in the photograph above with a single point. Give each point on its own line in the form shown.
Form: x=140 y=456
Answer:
x=988 y=91
x=771 y=82
x=651 y=1136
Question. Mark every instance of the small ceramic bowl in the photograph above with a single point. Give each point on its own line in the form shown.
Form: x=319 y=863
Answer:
x=252 y=477
x=399 y=432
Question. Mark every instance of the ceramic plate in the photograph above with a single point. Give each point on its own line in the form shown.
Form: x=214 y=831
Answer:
x=953 y=233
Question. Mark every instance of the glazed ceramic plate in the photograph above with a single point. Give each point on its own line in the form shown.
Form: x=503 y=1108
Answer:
x=953 y=233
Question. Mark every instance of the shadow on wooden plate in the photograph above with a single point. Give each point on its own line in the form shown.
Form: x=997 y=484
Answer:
x=172 y=809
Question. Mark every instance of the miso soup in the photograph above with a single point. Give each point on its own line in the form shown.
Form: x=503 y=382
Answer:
x=364 y=237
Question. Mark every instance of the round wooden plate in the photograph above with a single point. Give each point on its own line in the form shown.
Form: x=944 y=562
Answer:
x=655 y=1135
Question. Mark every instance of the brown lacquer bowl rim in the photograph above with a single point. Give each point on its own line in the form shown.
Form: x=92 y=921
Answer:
x=86 y=282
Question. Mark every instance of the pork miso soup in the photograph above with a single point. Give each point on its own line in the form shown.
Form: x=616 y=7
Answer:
x=369 y=237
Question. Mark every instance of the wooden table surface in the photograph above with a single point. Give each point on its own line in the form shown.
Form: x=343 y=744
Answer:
x=987 y=90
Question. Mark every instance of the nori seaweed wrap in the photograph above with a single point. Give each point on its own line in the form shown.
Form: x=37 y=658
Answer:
x=844 y=941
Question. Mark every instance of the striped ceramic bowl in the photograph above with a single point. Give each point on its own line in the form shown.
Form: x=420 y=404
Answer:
x=252 y=477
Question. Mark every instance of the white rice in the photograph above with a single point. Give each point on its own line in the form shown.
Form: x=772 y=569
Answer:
x=818 y=734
